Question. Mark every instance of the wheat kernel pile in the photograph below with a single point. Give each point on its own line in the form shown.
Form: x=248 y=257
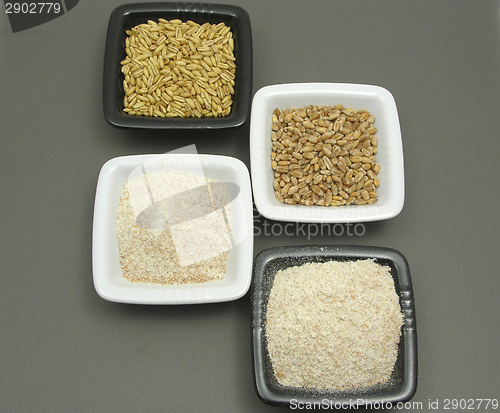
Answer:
x=333 y=325
x=190 y=250
x=325 y=156
x=179 y=69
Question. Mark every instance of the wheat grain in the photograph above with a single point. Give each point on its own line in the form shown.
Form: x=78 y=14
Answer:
x=330 y=146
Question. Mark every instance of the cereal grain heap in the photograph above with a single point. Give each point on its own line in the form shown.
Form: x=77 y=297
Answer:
x=325 y=156
x=179 y=69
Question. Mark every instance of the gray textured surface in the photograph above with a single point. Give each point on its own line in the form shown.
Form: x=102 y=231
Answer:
x=63 y=349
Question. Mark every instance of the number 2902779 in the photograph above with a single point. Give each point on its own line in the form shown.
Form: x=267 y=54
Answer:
x=32 y=8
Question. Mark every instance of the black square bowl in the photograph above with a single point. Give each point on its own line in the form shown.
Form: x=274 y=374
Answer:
x=401 y=386
x=129 y=15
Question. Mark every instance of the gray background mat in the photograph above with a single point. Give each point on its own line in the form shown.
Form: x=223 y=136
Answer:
x=64 y=349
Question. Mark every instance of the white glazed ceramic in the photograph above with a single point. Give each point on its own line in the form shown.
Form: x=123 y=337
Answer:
x=377 y=100
x=108 y=277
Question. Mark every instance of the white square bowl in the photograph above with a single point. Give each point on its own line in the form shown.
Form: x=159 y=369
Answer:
x=107 y=272
x=375 y=99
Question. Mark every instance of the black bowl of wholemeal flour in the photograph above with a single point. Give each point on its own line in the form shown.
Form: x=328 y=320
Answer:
x=333 y=327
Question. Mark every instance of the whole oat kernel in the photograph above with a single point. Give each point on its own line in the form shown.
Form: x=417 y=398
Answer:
x=178 y=69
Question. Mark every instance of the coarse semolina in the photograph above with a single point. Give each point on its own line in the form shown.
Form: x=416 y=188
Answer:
x=181 y=238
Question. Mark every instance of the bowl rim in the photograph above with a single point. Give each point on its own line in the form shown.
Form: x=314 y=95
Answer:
x=299 y=213
x=167 y=294
x=114 y=52
x=264 y=270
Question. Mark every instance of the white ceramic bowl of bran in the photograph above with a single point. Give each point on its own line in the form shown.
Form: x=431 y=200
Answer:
x=376 y=100
x=107 y=271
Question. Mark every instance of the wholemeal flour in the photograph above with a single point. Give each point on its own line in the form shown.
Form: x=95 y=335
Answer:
x=333 y=325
